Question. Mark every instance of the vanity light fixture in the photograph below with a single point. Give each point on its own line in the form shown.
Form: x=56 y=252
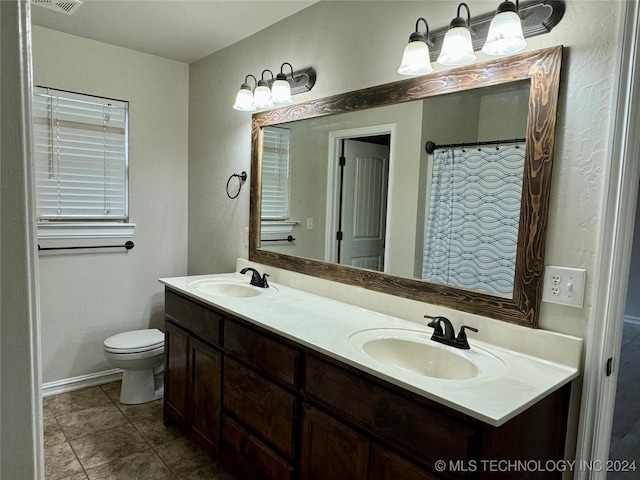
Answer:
x=276 y=91
x=505 y=32
x=457 y=48
x=244 y=98
x=262 y=93
x=534 y=17
x=415 y=60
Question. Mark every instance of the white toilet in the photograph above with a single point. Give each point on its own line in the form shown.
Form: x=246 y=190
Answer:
x=140 y=353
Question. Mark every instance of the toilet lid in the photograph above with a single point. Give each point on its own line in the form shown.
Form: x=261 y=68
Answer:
x=135 y=341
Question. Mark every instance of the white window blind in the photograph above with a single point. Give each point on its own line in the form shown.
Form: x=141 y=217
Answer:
x=275 y=173
x=81 y=157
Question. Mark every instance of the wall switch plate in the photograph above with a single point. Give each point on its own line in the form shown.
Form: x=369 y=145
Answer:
x=564 y=285
x=309 y=223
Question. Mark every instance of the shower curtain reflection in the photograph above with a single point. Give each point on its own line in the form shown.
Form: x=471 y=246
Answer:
x=472 y=217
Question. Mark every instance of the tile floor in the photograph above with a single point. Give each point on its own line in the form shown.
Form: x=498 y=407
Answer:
x=90 y=435
x=625 y=436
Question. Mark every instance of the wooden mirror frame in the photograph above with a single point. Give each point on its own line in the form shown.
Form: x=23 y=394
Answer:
x=542 y=67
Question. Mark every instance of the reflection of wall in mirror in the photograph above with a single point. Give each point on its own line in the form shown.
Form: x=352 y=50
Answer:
x=309 y=165
x=493 y=113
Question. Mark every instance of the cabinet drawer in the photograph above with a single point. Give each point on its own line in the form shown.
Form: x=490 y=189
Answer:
x=271 y=357
x=416 y=429
x=247 y=457
x=197 y=319
x=265 y=408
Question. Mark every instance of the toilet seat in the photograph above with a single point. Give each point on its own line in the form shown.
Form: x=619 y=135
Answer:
x=135 y=341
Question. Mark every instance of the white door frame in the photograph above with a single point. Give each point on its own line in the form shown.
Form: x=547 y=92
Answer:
x=605 y=332
x=333 y=175
x=22 y=453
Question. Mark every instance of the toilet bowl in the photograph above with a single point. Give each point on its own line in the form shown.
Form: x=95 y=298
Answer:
x=140 y=354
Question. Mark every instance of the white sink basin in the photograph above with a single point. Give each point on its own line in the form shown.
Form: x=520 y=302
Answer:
x=413 y=351
x=227 y=288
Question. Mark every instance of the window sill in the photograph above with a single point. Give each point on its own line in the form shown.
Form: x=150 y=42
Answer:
x=277 y=227
x=70 y=231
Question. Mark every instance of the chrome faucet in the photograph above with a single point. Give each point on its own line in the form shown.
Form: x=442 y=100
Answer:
x=447 y=336
x=256 y=279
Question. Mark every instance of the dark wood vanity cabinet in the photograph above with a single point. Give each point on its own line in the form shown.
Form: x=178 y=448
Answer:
x=176 y=374
x=193 y=371
x=386 y=465
x=261 y=404
x=269 y=408
x=332 y=450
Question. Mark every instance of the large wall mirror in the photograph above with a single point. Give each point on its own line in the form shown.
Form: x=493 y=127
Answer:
x=343 y=187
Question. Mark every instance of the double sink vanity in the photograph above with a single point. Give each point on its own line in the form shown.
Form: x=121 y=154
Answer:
x=339 y=378
x=281 y=383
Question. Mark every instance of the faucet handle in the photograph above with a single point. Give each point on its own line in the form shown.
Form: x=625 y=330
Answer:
x=461 y=339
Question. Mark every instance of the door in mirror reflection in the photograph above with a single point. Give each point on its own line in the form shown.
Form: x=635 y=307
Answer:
x=362 y=202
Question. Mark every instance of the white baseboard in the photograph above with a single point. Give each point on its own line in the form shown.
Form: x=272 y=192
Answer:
x=631 y=319
x=83 y=381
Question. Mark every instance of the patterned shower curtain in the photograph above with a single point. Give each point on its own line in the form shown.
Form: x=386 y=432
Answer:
x=473 y=213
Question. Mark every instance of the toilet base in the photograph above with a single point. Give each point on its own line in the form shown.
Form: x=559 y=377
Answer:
x=139 y=386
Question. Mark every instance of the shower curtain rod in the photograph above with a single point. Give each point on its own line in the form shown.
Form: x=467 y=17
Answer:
x=431 y=147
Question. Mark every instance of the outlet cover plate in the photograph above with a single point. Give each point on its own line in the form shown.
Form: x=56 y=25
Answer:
x=564 y=285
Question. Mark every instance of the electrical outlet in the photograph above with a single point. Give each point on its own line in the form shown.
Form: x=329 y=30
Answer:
x=309 y=223
x=564 y=285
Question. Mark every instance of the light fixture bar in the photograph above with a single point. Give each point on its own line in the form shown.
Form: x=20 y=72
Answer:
x=538 y=17
x=301 y=81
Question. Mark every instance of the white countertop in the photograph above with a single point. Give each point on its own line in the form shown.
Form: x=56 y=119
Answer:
x=326 y=325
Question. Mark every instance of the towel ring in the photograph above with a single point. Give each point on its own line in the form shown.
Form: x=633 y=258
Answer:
x=242 y=177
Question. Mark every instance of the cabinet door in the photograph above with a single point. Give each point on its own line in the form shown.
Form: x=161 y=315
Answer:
x=261 y=406
x=176 y=375
x=386 y=465
x=331 y=450
x=206 y=369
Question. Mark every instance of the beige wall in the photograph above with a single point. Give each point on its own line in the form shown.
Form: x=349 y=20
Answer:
x=87 y=296
x=358 y=44
x=309 y=170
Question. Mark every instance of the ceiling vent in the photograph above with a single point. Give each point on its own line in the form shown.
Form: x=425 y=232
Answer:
x=62 y=6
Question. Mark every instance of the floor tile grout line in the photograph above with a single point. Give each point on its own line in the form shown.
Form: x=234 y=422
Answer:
x=151 y=447
x=78 y=459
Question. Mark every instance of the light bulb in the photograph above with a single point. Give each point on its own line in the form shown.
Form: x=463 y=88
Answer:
x=505 y=33
x=244 y=100
x=457 y=48
x=281 y=90
x=415 y=60
x=262 y=95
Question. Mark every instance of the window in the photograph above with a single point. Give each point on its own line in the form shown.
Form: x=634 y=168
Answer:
x=275 y=173
x=81 y=164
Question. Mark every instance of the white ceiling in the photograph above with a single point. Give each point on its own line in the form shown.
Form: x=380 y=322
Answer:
x=182 y=30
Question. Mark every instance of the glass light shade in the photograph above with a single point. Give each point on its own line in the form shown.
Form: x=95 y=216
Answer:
x=281 y=92
x=244 y=100
x=262 y=96
x=415 y=60
x=457 y=48
x=505 y=35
